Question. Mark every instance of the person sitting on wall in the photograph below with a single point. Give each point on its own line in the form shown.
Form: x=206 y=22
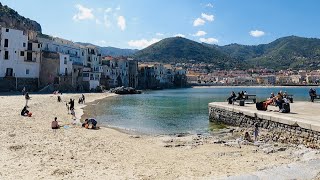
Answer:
x=231 y=98
x=239 y=97
x=279 y=100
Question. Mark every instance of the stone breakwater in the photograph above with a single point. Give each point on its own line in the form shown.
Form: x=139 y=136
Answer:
x=277 y=131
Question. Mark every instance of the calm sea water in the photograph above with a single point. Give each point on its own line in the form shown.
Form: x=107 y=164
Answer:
x=174 y=111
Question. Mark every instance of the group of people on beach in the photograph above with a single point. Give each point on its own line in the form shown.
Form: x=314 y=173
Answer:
x=88 y=123
x=234 y=97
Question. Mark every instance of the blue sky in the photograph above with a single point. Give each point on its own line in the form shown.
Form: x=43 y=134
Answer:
x=138 y=23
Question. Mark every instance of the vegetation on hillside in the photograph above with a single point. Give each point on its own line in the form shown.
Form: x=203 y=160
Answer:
x=178 y=49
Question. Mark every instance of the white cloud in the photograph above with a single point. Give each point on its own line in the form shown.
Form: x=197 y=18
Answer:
x=180 y=35
x=209 y=40
x=200 y=33
x=98 y=22
x=107 y=22
x=198 y=22
x=83 y=13
x=256 y=33
x=101 y=43
x=159 y=34
x=122 y=23
x=207 y=17
x=142 y=43
x=118 y=8
x=209 y=5
x=108 y=10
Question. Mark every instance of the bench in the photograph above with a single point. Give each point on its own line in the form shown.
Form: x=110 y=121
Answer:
x=240 y=102
x=290 y=97
x=251 y=97
x=317 y=97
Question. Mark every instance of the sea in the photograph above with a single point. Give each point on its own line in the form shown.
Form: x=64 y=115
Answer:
x=174 y=111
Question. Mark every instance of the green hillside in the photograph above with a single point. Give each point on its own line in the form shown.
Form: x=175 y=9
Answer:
x=178 y=49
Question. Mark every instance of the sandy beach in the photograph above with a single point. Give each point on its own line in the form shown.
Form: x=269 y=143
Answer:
x=30 y=149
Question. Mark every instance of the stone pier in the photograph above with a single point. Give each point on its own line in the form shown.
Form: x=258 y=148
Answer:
x=300 y=126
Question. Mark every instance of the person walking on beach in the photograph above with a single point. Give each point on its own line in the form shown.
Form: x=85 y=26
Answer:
x=27 y=97
x=67 y=107
x=256 y=132
x=83 y=99
x=73 y=113
x=23 y=91
x=71 y=104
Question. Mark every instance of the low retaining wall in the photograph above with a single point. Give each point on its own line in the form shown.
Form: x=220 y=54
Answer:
x=280 y=132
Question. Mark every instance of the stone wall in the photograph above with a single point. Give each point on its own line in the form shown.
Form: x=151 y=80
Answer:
x=8 y=84
x=278 y=132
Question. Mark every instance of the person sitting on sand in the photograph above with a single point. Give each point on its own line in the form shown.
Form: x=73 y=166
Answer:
x=24 y=111
x=59 y=98
x=247 y=137
x=90 y=123
x=55 y=124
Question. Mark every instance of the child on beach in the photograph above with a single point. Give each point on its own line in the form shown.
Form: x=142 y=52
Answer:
x=67 y=107
x=73 y=113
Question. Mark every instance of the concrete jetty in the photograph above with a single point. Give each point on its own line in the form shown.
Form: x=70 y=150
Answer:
x=301 y=125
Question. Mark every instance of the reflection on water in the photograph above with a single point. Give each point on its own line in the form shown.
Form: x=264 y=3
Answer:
x=173 y=111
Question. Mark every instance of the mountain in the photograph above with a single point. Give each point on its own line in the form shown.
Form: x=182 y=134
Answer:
x=287 y=52
x=11 y=19
x=112 y=51
x=178 y=49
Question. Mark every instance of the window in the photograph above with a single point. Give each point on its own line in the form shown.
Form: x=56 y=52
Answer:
x=29 y=56
x=6 y=42
x=82 y=53
x=7 y=30
x=9 y=72
x=24 y=44
x=30 y=46
x=39 y=45
x=27 y=71
x=65 y=60
x=66 y=71
x=21 y=53
x=6 y=54
x=68 y=52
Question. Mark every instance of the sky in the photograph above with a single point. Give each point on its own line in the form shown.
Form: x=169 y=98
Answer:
x=135 y=24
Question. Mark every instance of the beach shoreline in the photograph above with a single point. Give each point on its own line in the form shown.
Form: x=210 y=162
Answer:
x=32 y=150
